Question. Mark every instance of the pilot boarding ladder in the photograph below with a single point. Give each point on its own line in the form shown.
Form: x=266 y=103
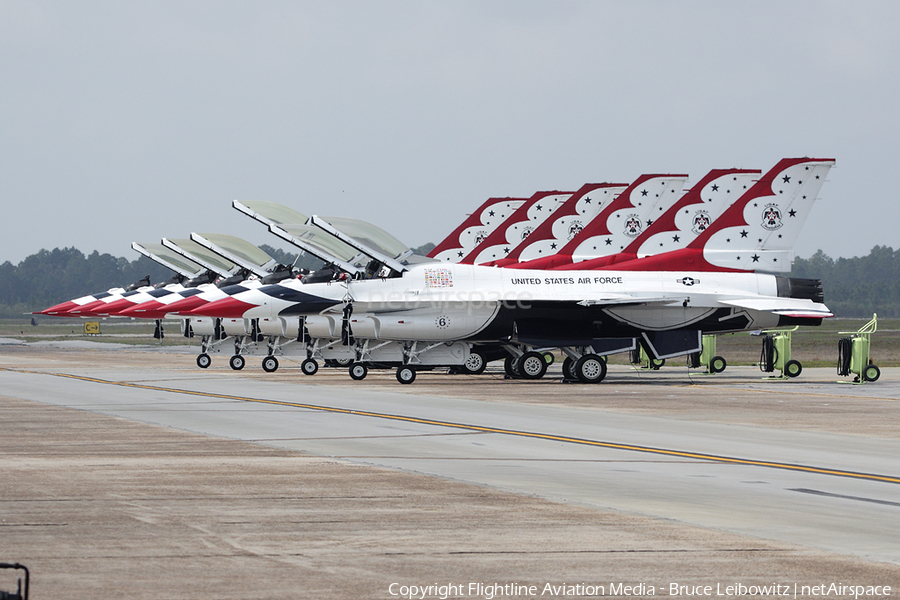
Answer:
x=854 y=354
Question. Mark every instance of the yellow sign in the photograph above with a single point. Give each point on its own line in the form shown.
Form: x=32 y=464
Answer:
x=92 y=328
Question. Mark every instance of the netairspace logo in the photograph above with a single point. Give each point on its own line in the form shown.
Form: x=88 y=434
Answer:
x=490 y=591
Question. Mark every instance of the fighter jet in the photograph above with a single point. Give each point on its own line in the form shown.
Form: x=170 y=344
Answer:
x=429 y=305
x=64 y=309
x=667 y=311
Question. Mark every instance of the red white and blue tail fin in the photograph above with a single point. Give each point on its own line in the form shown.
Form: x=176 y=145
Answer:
x=475 y=229
x=695 y=212
x=758 y=232
x=517 y=227
x=623 y=221
x=690 y=216
x=568 y=221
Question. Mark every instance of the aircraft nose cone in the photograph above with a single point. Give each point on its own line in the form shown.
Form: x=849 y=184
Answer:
x=58 y=309
x=226 y=308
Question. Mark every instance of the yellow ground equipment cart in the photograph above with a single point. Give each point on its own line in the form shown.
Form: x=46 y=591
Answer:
x=854 y=354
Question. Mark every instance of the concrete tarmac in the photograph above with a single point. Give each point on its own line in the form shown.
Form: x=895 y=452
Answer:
x=133 y=474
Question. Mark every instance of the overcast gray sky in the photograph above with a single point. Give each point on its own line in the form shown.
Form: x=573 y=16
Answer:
x=133 y=121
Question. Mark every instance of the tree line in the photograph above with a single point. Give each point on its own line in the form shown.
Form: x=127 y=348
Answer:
x=854 y=287
x=858 y=286
x=53 y=276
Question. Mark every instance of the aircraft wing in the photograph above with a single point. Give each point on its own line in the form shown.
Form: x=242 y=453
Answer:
x=789 y=307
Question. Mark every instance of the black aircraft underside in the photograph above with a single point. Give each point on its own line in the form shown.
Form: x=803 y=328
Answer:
x=570 y=324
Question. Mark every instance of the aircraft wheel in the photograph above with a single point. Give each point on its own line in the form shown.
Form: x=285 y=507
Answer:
x=871 y=373
x=343 y=362
x=475 y=364
x=358 y=371
x=792 y=368
x=406 y=374
x=309 y=366
x=549 y=358
x=203 y=361
x=590 y=368
x=270 y=364
x=532 y=365
x=511 y=366
x=655 y=363
x=567 y=369
x=718 y=364
x=236 y=362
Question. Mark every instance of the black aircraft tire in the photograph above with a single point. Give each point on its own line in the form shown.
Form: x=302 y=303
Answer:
x=237 y=362
x=717 y=364
x=358 y=371
x=871 y=373
x=510 y=365
x=203 y=361
x=475 y=364
x=532 y=365
x=309 y=366
x=406 y=374
x=590 y=368
x=567 y=368
x=270 y=364
x=793 y=368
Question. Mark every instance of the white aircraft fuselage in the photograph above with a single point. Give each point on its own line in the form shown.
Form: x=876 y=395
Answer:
x=475 y=303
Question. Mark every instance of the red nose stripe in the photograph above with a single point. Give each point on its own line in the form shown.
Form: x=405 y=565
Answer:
x=145 y=310
x=226 y=308
x=58 y=309
x=186 y=306
x=111 y=308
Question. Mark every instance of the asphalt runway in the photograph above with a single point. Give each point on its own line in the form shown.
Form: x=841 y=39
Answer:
x=734 y=454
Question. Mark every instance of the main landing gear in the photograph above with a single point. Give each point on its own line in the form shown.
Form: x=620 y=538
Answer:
x=589 y=368
x=530 y=365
